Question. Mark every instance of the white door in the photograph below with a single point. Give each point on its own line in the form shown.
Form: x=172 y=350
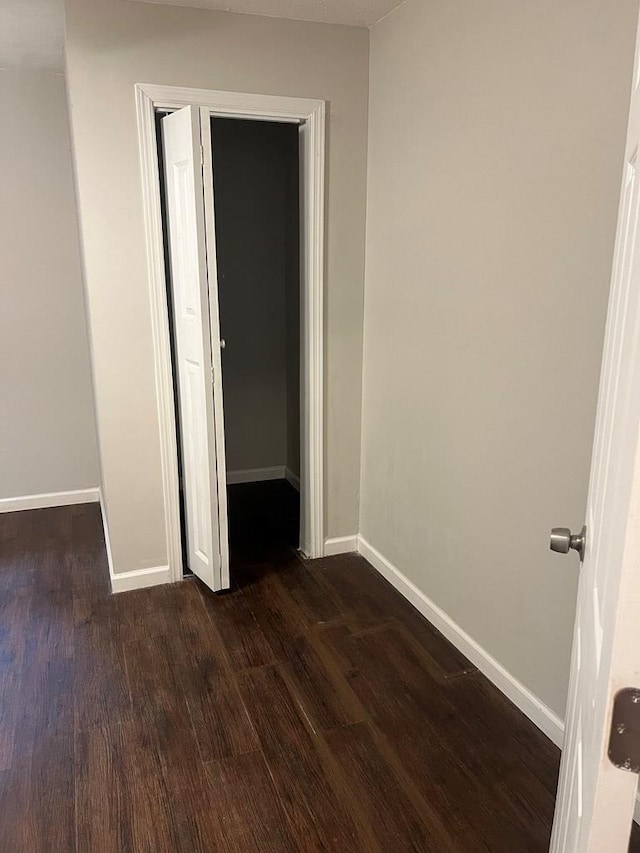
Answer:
x=196 y=348
x=596 y=799
x=214 y=326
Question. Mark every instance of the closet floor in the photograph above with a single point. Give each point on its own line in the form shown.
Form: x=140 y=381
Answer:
x=264 y=518
x=310 y=708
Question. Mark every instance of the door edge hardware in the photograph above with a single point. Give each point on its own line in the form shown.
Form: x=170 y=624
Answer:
x=563 y=540
x=624 y=737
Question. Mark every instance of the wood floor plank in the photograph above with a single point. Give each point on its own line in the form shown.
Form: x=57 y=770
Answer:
x=350 y=581
x=512 y=738
x=306 y=593
x=220 y=720
x=143 y=613
x=395 y=821
x=50 y=627
x=375 y=658
x=45 y=705
x=189 y=680
x=190 y=626
x=366 y=600
x=254 y=818
x=121 y=800
x=320 y=819
x=17 y=569
x=195 y=822
x=447 y=763
x=101 y=691
x=326 y=697
x=15 y=604
x=87 y=557
x=275 y=612
x=37 y=803
x=284 y=619
x=196 y=811
x=154 y=680
x=448 y=661
x=243 y=638
x=10 y=532
x=202 y=678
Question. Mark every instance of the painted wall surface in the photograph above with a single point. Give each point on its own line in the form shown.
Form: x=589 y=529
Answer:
x=47 y=433
x=293 y=356
x=256 y=201
x=496 y=138
x=113 y=44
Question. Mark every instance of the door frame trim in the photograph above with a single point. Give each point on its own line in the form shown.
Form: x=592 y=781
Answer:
x=149 y=98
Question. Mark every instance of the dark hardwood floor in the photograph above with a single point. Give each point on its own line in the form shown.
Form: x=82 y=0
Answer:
x=309 y=709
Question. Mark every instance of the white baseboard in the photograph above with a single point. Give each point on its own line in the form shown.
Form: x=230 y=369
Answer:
x=139 y=579
x=636 y=813
x=254 y=475
x=292 y=478
x=340 y=545
x=51 y=499
x=543 y=717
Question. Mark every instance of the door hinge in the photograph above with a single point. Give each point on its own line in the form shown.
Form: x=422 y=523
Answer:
x=624 y=739
x=201 y=155
x=213 y=374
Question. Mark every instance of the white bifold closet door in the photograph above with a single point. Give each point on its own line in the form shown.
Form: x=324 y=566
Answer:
x=190 y=214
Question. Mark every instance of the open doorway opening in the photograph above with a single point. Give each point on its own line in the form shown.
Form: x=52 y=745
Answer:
x=256 y=222
x=256 y=192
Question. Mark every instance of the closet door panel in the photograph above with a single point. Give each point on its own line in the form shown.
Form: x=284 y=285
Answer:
x=193 y=342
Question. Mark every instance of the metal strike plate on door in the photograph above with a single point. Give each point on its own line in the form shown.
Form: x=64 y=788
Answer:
x=624 y=739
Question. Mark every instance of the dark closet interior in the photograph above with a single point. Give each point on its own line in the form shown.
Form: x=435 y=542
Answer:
x=256 y=200
x=256 y=191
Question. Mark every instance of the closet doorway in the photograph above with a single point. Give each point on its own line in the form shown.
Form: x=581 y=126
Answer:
x=256 y=199
x=240 y=193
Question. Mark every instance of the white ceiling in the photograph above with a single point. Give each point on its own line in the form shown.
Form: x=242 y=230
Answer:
x=32 y=34
x=357 y=13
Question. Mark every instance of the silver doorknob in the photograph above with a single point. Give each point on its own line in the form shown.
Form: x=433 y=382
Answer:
x=563 y=541
x=223 y=343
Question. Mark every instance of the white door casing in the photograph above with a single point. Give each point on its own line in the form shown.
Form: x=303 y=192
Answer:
x=149 y=98
x=595 y=801
x=311 y=230
x=191 y=311
x=305 y=507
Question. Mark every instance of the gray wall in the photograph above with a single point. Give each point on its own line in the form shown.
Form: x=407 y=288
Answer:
x=496 y=138
x=47 y=436
x=292 y=313
x=256 y=201
x=113 y=44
